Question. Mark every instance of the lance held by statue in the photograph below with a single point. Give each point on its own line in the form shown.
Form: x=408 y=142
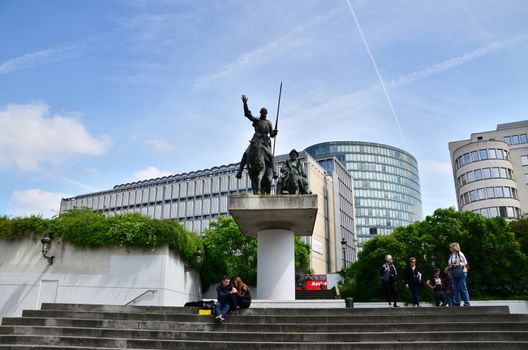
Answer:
x=259 y=156
x=293 y=179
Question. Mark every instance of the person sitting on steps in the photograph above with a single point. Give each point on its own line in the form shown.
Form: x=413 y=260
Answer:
x=223 y=305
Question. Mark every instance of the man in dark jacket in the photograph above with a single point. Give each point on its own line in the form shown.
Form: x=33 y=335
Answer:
x=222 y=306
x=389 y=279
x=413 y=280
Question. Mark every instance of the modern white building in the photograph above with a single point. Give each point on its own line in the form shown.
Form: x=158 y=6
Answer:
x=490 y=171
x=386 y=184
x=196 y=198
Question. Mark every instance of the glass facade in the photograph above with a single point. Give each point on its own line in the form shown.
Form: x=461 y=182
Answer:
x=386 y=184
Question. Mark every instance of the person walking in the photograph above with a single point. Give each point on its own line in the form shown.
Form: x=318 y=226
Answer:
x=437 y=285
x=457 y=266
x=413 y=280
x=389 y=276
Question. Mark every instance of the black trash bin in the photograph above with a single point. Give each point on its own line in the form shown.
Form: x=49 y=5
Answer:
x=349 y=302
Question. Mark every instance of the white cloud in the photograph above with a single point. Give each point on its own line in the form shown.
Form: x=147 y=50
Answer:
x=432 y=166
x=159 y=145
x=29 y=136
x=149 y=173
x=35 y=202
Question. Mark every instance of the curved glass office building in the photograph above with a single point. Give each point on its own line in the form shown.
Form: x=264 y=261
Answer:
x=386 y=183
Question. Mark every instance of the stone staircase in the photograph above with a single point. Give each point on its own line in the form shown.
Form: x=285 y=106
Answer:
x=72 y=326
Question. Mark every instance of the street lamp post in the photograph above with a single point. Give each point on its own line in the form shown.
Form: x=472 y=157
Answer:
x=343 y=245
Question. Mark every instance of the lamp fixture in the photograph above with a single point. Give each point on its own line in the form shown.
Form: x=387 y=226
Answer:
x=46 y=244
x=197 y=258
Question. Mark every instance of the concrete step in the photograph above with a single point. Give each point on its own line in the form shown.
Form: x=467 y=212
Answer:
x=208 y=324
x=121 y=309
x=259 y=336
x=190 y=344
x=283 y=315
x=389 y=317
x=283 y=311
x=316 y=346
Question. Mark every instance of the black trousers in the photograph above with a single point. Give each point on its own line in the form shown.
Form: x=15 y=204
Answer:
x=239 y=302
x=390 y=290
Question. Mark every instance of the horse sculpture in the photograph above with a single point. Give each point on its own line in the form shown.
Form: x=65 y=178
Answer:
x=259 y=174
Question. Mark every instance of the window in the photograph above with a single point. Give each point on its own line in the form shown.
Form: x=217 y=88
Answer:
x=507 y=139
x=487 y=173
x=524 y=139
x=500 y=154
x=490 y=192
x=495 y=172
x=492 y=154
x=467 y=159
x=507 y=192
x=474 y=156
x=473 y=195
x=515 y=140
x=478 y=174
x=499 y=193
x=481 y=193
x=502 y=211
x=524 y=160
x=483 y=154
x=503 y=173
x=526 y=179
x=510 y=212
x=493 y=212
x=470 y=177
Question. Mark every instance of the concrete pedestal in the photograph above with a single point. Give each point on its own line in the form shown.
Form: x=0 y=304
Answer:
x=276 y=265
x=275 y=220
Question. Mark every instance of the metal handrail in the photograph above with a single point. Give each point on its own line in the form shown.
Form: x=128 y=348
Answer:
x=153 y=291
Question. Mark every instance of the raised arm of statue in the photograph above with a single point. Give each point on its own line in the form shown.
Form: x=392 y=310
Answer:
x=247 y=112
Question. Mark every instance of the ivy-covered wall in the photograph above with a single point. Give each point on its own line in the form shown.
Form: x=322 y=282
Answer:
x=85 y=228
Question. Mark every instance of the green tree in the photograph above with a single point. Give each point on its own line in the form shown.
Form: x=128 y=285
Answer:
x=497 y=262
x=520 y=229
x=227 y=252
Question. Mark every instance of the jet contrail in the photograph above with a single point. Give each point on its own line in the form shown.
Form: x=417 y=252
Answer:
x=382 y=83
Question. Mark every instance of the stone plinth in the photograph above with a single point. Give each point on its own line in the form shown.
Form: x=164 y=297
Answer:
x=275 y=220
x=281 y=212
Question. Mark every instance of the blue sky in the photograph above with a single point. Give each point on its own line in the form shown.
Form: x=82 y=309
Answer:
x=96 y=93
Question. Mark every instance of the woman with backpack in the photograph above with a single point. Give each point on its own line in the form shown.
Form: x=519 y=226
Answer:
x=458 y=267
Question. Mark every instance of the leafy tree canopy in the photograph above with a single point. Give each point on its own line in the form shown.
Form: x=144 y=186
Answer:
x=498 y=266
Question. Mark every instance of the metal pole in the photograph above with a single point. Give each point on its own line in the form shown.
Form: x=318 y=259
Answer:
x=277 y=118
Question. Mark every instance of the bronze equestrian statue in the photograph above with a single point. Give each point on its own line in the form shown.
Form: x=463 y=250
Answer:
x=259 y=156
